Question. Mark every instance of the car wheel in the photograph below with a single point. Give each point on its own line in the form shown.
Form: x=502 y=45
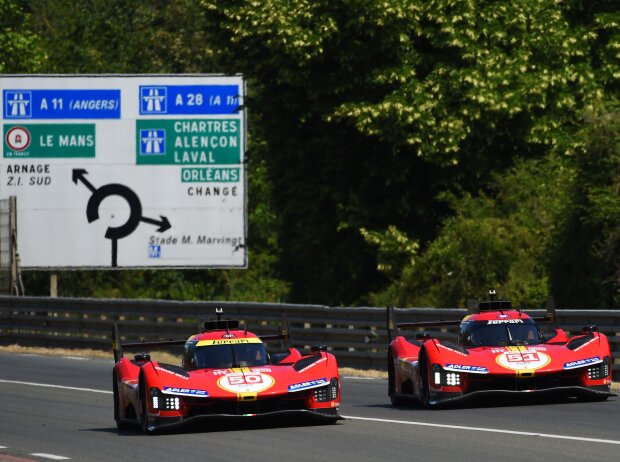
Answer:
x=120 y=424
x=396 y=401
x=425 y=394
x=145 y=421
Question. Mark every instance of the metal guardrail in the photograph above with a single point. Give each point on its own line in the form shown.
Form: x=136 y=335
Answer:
x=357 y=336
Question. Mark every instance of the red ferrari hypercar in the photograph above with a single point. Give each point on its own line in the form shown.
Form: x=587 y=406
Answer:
x=225 y=372
x=500 y=351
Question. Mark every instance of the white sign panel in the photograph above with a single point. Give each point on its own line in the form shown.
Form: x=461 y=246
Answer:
x=126 y=171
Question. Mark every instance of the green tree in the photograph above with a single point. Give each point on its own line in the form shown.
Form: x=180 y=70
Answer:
x=499 y=241
x=20 y=52
x=585 y=265
x=367 y=115
x=119 y=36
x=371 y=109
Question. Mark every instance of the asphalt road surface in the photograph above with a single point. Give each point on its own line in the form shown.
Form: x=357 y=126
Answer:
x=54 y=408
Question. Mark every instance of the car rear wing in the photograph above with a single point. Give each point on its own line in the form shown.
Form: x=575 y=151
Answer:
x=118 y=347
x=220 y=324
x=550 y=316
x=284 y=334
x=394 y=325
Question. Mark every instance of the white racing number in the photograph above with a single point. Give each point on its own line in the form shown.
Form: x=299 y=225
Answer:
x=250 y=382
x=525 y=360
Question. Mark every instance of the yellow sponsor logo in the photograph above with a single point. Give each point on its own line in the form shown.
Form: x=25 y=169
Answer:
x=525 y=373
x=246 y=396
x=228 y=341
x=516 y=349
x=240 y=370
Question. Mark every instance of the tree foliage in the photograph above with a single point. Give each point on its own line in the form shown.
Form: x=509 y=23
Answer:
x=412 y=150
x=372 y=109
x=20 y=52
x=496 y=241
x=585 y=264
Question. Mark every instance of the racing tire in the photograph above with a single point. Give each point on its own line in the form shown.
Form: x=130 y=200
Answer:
x=394 y=398
x=120 y=424
x=425 y=394
x=145 y=420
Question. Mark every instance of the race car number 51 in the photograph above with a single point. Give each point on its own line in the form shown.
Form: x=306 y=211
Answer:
x=527 y=360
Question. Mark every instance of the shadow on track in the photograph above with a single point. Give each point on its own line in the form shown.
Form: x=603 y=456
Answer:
x=476 y=403
x=222 y=424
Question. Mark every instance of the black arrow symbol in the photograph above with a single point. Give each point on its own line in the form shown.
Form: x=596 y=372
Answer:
x=79 y=175
x=164 y=224
x=135 y=209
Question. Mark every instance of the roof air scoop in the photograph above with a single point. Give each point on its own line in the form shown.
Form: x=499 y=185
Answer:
x=493 y=304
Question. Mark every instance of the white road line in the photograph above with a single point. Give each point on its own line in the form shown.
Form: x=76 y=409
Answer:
x=47 y=385
x=4 y=447
x=372 y=419
x=489 y=430
x=49 y=456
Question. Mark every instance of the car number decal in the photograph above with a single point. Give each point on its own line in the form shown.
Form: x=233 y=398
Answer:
x=246 y=383
x=523 y=360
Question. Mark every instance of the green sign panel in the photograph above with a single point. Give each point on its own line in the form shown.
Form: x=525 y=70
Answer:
x=210 y=175
x=46 y=141
x=188 y=142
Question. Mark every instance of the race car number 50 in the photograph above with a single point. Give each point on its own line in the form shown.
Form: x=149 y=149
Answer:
x=244 y=383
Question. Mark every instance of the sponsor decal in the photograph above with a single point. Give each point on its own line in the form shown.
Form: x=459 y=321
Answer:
x=228 y=341
x=170 y=372
x=184 y=391
x=585 y=344
x=466 y=368
x=245 y=382
x=450 y=349
x=529 y=348
x=505 y=321
x=308 y=384
x=323 y=359
x=238 y=370
x=519 y=359
x=582 y=362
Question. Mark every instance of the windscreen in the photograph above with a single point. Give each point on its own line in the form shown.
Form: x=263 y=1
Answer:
x=227 y=356
x=498 y=333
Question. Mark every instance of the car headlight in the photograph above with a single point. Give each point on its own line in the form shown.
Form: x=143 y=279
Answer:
x=327 y=393
x=164 y=402
x=601 y=370
x=445 y=378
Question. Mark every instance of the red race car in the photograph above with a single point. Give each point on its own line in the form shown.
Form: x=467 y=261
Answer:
x=225 y=372
x=499 y=351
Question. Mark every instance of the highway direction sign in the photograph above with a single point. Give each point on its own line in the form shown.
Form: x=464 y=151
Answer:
x=126 y=171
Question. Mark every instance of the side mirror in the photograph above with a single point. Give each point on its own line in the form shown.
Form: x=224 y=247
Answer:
x=318 y=348
x=589 y=329
x=423 y=336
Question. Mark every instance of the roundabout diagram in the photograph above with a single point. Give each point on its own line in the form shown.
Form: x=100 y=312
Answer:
x=114 y=233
